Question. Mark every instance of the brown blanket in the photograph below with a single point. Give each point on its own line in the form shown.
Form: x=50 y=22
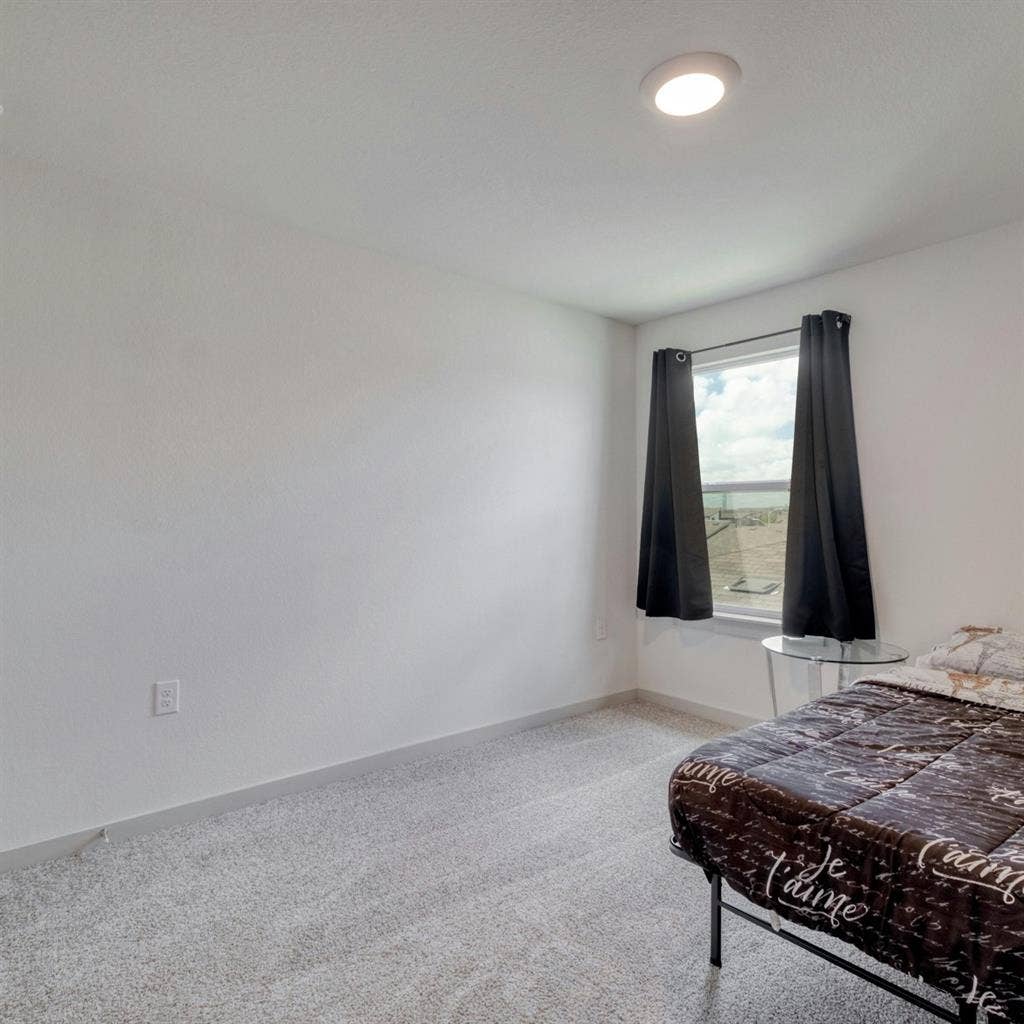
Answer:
x=890 y=818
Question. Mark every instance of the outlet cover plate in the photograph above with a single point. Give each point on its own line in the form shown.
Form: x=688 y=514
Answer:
x=165 y=697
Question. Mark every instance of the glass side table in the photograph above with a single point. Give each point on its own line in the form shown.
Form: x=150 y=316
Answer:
x=823 y=650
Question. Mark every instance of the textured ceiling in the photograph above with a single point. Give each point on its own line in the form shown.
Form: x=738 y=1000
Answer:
x=508 y=140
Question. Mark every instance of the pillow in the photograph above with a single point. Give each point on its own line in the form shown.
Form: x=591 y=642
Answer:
x=979 y=650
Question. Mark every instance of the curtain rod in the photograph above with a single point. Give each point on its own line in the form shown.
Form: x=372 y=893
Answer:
x=840 y=318
x=743 y=341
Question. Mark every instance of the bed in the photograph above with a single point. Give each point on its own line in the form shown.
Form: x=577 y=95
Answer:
x=890 y=815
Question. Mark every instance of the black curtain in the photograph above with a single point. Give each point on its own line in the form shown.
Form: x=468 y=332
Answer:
x=828 y=583
x=674 y=576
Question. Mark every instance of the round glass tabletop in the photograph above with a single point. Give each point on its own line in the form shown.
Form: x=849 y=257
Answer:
x=836 y=652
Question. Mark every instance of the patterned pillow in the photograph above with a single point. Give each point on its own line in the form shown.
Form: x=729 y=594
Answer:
x=980 y=650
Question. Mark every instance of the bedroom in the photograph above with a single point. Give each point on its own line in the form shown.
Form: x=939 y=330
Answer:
x=328 y=333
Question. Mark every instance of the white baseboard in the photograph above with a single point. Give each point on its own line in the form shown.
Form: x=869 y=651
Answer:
x=170 y=817
x=692 y=707
x=182 y=814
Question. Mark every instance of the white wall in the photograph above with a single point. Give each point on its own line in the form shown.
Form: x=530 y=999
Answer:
x=352 y=503
x=937 y=352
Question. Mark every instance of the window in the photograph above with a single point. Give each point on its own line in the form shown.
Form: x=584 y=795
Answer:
x=745 y=410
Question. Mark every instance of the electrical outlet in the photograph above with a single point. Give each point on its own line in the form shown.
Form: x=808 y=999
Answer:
x=600 y=628
x=165 y=697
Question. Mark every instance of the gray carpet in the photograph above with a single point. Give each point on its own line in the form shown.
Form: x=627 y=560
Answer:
x=526 y=879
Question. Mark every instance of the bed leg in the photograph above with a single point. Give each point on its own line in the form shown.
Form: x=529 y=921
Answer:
x=716 y=920
x=968 y=1012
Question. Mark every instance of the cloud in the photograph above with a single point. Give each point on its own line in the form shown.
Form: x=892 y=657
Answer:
x=745 y=421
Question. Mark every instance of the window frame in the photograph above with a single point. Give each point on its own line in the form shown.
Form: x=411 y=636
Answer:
x=739 y=613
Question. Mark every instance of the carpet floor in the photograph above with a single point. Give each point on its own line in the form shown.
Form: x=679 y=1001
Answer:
x=524 y=879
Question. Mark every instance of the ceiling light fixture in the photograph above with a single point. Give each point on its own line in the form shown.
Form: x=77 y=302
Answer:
x=691 y=84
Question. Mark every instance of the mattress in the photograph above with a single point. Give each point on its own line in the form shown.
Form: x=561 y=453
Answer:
x=891 y=818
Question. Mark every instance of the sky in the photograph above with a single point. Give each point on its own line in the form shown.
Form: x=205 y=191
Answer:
x=745 y=421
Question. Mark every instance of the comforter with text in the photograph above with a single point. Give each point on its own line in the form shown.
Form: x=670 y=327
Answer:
x=890 y=815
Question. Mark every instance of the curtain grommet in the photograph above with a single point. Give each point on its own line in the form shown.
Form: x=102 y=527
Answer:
x=680 y=357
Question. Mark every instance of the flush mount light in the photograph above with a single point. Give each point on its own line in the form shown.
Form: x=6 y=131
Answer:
x=691 y=84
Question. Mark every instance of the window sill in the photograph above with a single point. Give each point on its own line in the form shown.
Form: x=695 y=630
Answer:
x=752 y=627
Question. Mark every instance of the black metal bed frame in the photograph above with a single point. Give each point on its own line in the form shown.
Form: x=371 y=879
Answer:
x=966 y=1013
